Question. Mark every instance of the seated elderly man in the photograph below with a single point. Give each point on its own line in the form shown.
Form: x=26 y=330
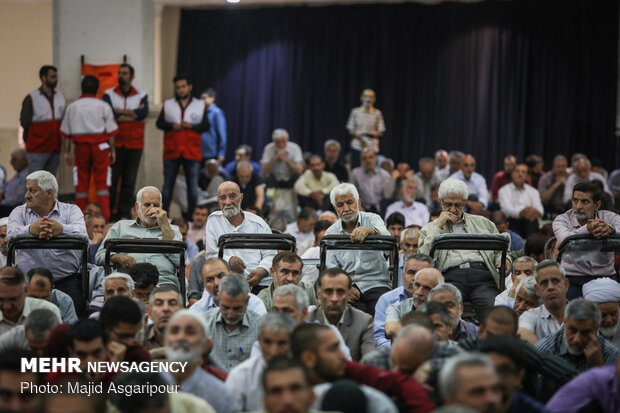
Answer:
x=478 y=194
x=314 y=186
x=415 y=213
x=521 y=203
x=302 y=228
x=115 y=284
x=369 y=180
x=368 y=269
x=522 y=267
x=450 y=296
x=33 y=335
x=427 y=176
x=46 y=218
x=473 y=272
x=254 y=264
x=526 y=296
x=232 y=326
x=187 y=339
x=582 y=173
x=585 y=217
x=244 y=381
x=41 y=286
x=551 y=285
x=15 y=306
x=282 y=161
x=286 y=269
x=152 y=222
x=251 y=185
x=605 y=293
x=419 y=286
x=213 y=270
x=413 y=264
x=578 y=342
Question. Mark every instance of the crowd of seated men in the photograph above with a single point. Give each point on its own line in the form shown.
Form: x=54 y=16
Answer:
x=262 y=329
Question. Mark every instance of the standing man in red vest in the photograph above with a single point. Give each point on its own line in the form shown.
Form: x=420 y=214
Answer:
x=40 y=117
x=130 y=107
x=183 y=120
x=90 y=126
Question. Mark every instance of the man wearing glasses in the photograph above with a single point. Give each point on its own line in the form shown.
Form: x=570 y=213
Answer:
x=473 y=272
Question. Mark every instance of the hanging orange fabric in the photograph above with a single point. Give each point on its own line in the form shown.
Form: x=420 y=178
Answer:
x=107 y=75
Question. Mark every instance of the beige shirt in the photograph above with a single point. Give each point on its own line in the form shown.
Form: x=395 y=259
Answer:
x=307 y=183
x=30 y=305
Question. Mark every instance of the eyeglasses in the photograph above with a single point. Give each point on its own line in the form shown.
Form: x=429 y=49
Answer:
x=456 y=205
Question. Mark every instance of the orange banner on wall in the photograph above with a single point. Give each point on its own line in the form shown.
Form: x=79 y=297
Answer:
x=107 y=75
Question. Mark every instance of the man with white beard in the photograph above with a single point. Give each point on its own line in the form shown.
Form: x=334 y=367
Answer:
x=254 y=264
x=605 y=293
x=186 y=340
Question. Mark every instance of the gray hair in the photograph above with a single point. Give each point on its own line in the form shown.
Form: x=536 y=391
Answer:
x=453 y=186
x=418 y=256
x=234 y=284
x=4 y=221
x=143 y=190
x=198 y=317
x=45 y=181
x=279 y=132
x=406 y=181
x=549 y=263
x=529 y=283
x=39 y=321
x=426 y=160
x=449 y=380
x=582 y=310
x=447 y=287
x=525 y=258
x=342 y=190
x=243 y=165
x=275 y=322
x=331 y=142
x=455 y=154
x=329 y=214
x=409 y=233
x=301 y=297
x=122 y=276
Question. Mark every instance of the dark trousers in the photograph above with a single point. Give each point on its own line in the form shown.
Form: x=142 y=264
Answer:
x=171 y=170
x=257 y=289
x=5 y=210
x=522 y=226
x=476 y=285
x=577 y=281
x=305 y=201
x=72 y=286
x=355 y=159
x=124 y=168
x=368 y=300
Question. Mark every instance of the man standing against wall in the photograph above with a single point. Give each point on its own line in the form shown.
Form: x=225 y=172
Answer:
x=183 y=120
x=41 y=114
x=214 y=140
x=130 y=107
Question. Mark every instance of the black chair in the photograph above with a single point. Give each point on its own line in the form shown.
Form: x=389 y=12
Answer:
x=149 y=246
x=61 y=242
x=372 y=243
x=580 y=245
x=285 y=242
x=480 y=242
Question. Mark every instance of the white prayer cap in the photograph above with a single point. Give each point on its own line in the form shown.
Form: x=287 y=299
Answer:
x=4 y=221
x=198 y=317
x=601 y=290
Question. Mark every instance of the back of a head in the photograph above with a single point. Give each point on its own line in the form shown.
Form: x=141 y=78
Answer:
x=503 y=315
x=507 y=346
x=417 y=318
x=233 y=285
x=86 y=331
x=119 y=309
x=90 y=85
x=12 y=276
x=345 y=396
x=305 y=337
x=41 y=320
x=138 y=402
x=144 y=274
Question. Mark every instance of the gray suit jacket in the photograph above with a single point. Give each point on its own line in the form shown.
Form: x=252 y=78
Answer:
x=355 y=326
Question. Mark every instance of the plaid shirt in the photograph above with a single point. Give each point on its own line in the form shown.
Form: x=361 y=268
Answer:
x=230 y=348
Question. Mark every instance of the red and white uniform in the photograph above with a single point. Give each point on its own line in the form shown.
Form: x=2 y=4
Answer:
x=185 y=142
x=89 y=122
x=43 y=133
x=130 y=134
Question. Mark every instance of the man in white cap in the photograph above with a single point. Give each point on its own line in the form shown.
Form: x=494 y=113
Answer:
x=605 y=293
x=4 y=241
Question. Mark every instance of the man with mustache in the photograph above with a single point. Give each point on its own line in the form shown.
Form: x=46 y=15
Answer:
x=164 y=302
x=186 y=340
x=253 y=264
x=605 y=293
x=415 y=213
x=152 y=222
x=585 y=217
x=578 y=342
x=233 y=328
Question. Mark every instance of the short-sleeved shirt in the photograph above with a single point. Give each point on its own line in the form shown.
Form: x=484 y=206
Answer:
x=539 y=321
x=249 y=190
x=281 y=171
x=367 y=121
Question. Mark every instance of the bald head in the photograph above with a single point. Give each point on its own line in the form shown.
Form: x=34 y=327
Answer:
x=411 y=349
x=18 y=159
x=229 y=198
x=425 y=280
x=469 y=165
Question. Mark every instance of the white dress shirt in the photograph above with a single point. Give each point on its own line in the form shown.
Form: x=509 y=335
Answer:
x=415 y=214
x=476 y=185
x=245 y=383
x=301 y=237
x=206 y=303
x=218 y=225
x=513 y=200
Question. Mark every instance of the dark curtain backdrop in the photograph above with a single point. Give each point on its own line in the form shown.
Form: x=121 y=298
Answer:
x=490 y=78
